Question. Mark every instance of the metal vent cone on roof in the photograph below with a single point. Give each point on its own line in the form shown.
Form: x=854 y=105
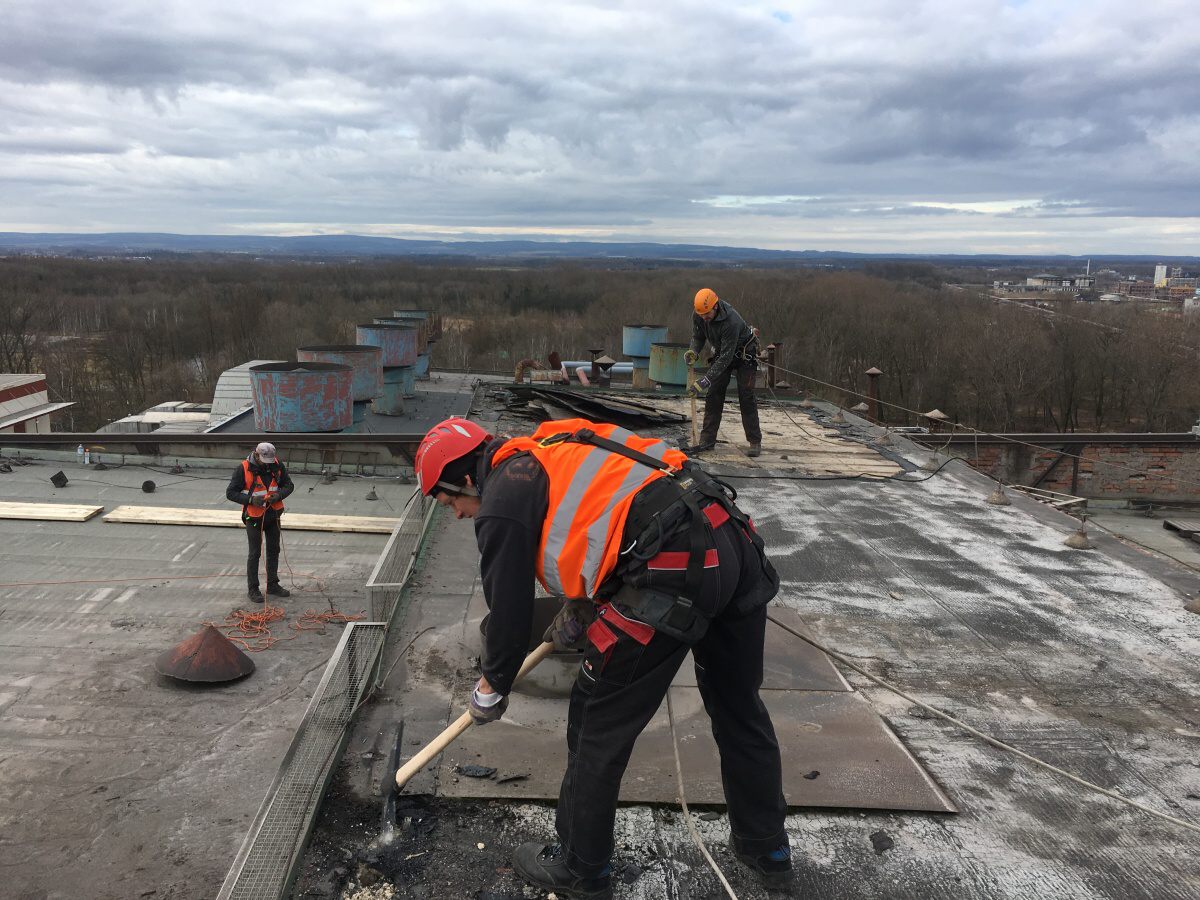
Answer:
x=207 y=656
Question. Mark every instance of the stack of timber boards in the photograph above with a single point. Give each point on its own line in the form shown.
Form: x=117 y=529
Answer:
x=809 y=448
x=1187 y=528
x=48 y=512
x=231 y=518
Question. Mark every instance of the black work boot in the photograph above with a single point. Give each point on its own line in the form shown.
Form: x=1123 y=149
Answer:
x=278 y=590
x=545 y=865
x=701 y=447
x=255 y=595
x=755 y=450
x=774 y=868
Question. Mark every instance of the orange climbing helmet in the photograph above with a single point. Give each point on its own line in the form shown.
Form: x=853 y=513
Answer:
x=705 y=302
x=446 y=442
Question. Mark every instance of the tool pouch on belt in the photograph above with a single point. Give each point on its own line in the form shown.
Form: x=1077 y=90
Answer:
x=664 y=611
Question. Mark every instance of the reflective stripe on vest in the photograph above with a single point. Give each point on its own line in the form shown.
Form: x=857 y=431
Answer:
x=251 y=481
x=590 y=493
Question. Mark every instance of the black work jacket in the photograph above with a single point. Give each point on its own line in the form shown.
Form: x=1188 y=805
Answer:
x=236 y=491
x=727 y=332
x=514 y=498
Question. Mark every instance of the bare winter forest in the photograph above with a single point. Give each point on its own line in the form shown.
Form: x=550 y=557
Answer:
x=118 y=336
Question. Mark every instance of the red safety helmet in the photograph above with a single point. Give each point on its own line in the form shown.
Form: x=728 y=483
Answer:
x=446 y=442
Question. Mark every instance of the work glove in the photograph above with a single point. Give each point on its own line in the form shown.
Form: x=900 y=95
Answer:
x=702 y=385
x=690 y=357
x=568 y=631
x=482 y=714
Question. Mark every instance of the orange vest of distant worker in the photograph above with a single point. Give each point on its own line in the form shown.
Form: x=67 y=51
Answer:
x=255 y=483
x=590 y=493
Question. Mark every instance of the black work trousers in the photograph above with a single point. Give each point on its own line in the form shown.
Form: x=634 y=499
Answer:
x=619 y=690
x=265 y=528
x=714 y=402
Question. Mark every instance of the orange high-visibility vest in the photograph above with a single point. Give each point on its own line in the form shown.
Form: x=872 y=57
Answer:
x=591 y=490
x=255 y=483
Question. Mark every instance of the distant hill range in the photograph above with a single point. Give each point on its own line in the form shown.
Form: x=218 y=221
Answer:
x=342 y=246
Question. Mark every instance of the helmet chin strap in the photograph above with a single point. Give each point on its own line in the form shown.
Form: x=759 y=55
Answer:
x=464 y=490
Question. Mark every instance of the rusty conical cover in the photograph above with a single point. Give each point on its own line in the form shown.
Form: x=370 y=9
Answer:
x=206 y=656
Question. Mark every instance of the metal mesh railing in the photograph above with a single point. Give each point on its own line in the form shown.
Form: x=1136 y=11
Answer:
x=264 y=866
x=399 y=555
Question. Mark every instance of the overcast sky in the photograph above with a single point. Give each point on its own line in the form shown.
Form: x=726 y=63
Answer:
x=952 y=125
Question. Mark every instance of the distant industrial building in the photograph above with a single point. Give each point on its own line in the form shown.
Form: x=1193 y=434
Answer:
x=25 y=405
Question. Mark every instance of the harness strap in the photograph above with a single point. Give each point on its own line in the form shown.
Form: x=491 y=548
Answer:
x=587 y=436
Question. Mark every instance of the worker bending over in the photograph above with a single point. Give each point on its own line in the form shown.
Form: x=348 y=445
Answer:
x=260 y=484
x=653 y=558
x=735 y=351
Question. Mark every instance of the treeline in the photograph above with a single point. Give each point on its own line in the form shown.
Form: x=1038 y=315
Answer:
x=119 y=336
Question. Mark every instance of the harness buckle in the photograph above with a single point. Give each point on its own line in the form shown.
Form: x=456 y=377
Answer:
x=553 y=439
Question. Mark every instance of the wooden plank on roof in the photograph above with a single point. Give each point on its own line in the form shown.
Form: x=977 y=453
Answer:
x=232 y=518
x=48 y=512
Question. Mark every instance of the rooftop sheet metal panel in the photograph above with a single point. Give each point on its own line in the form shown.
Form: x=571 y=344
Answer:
x=364 y=359
x=636 y=339
x=399 y=342
x=302 y=397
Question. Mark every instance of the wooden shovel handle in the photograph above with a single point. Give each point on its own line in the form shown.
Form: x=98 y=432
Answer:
x=426 y=754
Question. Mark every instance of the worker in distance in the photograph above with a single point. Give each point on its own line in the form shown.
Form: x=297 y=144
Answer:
x=260 y=485
x=653 y=558
x=735 y=353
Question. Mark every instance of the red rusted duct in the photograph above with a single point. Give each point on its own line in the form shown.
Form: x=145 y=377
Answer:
x=206 y=656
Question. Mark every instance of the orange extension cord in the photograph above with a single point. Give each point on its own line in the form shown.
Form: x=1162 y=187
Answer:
x=251 y=630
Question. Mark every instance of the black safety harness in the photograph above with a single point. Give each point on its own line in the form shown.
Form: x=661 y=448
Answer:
x=661 y=511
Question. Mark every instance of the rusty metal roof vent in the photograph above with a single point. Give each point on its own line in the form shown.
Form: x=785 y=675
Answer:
x=207 y=656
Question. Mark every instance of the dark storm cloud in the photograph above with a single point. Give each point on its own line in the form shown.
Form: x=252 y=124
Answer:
x=741 y=122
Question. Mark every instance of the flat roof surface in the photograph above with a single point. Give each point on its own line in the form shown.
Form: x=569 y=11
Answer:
x=118 y=783
x=1085 y=659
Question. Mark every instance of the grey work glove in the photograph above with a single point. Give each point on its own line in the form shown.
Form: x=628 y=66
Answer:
x=481 y=714
x=568 y=631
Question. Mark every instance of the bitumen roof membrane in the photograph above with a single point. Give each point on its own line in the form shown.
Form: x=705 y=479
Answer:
x=1085 y=659
x=118 y=782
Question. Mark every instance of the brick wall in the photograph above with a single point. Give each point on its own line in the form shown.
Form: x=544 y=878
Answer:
x=1167 y=471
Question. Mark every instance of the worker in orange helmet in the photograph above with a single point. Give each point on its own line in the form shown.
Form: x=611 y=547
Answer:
x=735 y=352
x=652 y=558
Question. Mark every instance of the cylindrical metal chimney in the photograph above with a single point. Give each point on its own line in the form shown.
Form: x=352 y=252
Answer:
x=635 y=342
x=365 y=360
x=667 y=364
x=302 y=397
x=431 y=324
x=399 y=343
